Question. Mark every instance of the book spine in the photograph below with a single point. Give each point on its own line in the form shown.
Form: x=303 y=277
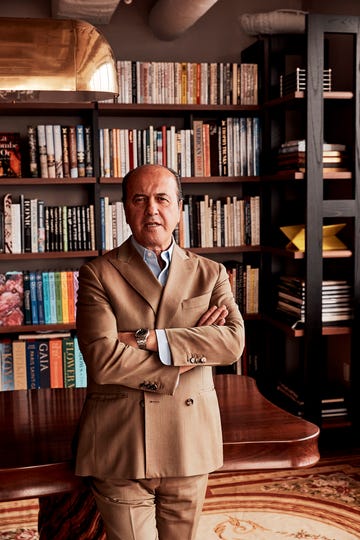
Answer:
x=80 y=150
x=19 y=360
x=74 y=173
x=33 y=299
x=65 y=151
x=27 y=300
x=41 y=226
x=42 y=151
x=56 y=363
x=44 y=363
x=46 y=297
x=52 y=291
x=80 y=366
x=89 y=168
x=32 y=144
x=32 y=365
x=68 y=362
x=50 y=150
x=40 y=296
x=7 y=223
x=58 y=303
x=6 y=365
x=58 y=152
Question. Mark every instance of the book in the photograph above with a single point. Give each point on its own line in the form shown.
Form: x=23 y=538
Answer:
x=58 y=151
x=52 y=296
x=43 y=160
x=50 y=150
x=6 y=365
x=32 y=144
x=33 y=298
x=56 y=363
x=65 y=151
x=32 y=365
x=80 y=150
x=73 y=165
x=19 y=361
x=7 y=203
x=58 y=301
x=10 y=155
x=40 y=296
x=11 y=298
x=68 y=352
x=27 y=300
x=44 y=363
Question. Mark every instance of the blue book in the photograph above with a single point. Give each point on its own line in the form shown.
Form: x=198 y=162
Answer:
x=33 y=299
x=52 y=298
x=44 y=363
x=80 y=149
x=32 y=365
x=7 y=379
x=46 y=297
x=80 y=366
x=40 y=296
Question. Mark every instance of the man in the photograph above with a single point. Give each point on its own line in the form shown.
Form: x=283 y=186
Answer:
x=152 y=320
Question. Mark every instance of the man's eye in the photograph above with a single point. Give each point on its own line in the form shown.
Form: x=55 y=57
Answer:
x=163 y=200
x=139 y=200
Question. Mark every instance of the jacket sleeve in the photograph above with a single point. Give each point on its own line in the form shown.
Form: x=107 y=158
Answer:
x=210 y=345
x=108 y=360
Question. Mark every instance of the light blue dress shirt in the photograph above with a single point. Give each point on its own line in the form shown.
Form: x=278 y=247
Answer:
x=161 y=274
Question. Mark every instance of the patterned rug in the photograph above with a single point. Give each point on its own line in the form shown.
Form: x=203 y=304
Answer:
x=319 y=503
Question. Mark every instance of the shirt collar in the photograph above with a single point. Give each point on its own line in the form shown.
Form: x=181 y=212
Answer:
x=165 y=255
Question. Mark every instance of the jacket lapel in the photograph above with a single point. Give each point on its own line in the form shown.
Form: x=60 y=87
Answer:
x=125 y=258
x=182 y=269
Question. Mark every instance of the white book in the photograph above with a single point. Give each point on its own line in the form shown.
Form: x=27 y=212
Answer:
x=50 y=150
x=42 y=151
x=16 y=228
x=58 y=153
x=34 y=225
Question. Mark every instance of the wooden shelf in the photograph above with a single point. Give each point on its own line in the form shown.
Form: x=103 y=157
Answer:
x=31 y=328
x=293 y=254
x=141 y=109
x=331 y=330
x=197 y=180
x=47 y=255
x=294 y=96
x=46 y=181
x=282 y=176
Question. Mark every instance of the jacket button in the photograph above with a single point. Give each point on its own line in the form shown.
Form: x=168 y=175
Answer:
x=189 y=402
x=203 y=360
x=142 y=403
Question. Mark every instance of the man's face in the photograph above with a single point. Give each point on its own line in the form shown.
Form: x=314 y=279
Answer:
x=152 y=207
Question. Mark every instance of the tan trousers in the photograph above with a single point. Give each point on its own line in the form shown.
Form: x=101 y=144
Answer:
x=151 y=509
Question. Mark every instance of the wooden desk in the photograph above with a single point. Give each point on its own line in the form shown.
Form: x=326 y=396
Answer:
x=37 y=427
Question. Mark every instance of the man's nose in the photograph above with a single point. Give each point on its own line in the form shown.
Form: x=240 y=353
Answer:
x=152 y=207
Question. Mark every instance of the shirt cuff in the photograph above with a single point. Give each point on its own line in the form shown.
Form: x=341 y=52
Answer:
x=163 y=347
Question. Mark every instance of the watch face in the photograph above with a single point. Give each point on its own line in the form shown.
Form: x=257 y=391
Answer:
x=142 y=333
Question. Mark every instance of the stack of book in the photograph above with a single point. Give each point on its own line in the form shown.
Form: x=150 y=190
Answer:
x=331 y=407
x=336 y=300
x=292 y=155
x=296 y=81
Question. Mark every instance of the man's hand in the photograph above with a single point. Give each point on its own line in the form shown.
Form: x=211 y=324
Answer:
x=214 y=315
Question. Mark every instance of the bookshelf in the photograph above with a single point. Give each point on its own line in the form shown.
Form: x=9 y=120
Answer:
x=314 y=362
x=90 y=190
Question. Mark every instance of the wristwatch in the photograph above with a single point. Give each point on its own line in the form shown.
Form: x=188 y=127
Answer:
x=141 y=336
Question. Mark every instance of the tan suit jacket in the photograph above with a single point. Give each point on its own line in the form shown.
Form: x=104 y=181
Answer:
x=140 y=420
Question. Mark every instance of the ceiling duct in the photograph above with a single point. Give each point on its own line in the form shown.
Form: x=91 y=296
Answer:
x=94 y=11
x=54 y=60
x=169 y=19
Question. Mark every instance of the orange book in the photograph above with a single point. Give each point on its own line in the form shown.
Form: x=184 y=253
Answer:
x=70 y=295
x=56 y=363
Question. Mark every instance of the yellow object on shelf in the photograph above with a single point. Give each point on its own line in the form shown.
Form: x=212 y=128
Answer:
x=296 y=235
